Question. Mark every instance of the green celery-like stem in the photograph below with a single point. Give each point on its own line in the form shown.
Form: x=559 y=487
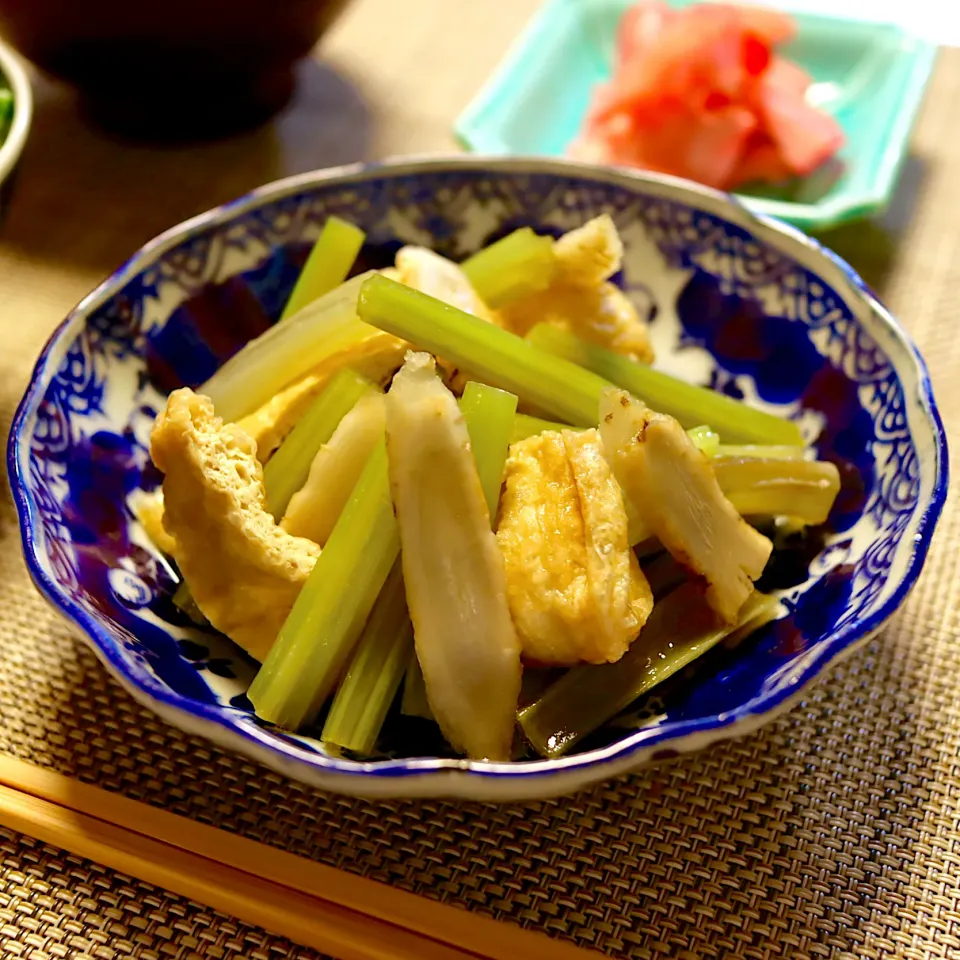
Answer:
x=489 y=414
x=705 y=440
x=763 y=609
x=520 y=264
x=324 y=330
x=320 y=633
x=375 y=672
x=802 y=489
x=756 y=451
x=693 y=406
x=328 y=264
x=286 y=471
x=551 y=384
x=414 y=702
x=680 y=629
x=182 y=597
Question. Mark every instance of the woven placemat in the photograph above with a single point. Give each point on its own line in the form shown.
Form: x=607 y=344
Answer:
x=833 y=833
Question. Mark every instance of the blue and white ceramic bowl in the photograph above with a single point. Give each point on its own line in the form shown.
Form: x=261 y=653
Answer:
x=747 y=305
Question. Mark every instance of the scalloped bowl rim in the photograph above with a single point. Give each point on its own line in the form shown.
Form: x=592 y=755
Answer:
x=457 y=777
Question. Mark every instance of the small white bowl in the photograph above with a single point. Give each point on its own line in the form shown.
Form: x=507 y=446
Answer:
x=11 y=66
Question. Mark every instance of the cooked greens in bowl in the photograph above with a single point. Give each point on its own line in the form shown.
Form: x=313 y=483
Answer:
x=469 y=538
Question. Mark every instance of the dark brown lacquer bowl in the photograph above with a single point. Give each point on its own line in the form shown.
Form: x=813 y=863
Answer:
x=171 y=68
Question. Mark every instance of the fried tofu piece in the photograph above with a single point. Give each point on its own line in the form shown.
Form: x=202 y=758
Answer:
x=580 y=298
x=591 y=254
x=576 y=591
x=243 y=571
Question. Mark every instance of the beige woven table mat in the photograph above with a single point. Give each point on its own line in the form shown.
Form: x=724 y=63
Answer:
x=833 y=833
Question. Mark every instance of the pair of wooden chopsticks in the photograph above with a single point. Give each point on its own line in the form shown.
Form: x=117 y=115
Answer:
x=318 y=906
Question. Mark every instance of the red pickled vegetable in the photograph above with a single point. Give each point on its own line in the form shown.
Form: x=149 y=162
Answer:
x=701 y=93
x=769 y=26
x=804 y=137
x=640 y=26
x=761 y=163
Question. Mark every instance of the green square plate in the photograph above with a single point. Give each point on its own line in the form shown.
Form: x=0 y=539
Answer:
x=870 y=76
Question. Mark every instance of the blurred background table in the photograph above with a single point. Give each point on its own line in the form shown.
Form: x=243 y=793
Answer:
x=833 y=833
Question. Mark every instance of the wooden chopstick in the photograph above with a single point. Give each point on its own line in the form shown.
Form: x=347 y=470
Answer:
x=318 y=906
x=301 y=918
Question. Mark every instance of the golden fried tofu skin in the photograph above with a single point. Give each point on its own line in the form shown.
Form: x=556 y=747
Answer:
x=243 y=571
x=581 y=300
x=591 y=254
x=576 y=591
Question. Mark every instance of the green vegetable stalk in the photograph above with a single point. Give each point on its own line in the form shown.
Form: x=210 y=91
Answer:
x=183 y=600
x=6 y=111
x=288 y=351
x=373 y=677
x=286 y=471
x=525 y=426
x=557 y=387
x=693 y=406
x=802 y=489
x=414 y=702
x=755 y=451
x=489 y=414
x=520 y=264
x=680 y=629
x=325 y=623
x=705 y=440
x=329 y=262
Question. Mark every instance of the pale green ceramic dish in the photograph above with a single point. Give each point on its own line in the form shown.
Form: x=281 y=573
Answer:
x=871 y=77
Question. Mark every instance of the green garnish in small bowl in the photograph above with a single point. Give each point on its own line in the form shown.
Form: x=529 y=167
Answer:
x=16 y=114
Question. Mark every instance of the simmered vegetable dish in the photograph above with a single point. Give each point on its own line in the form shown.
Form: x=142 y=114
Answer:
x=462 y=492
